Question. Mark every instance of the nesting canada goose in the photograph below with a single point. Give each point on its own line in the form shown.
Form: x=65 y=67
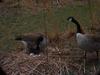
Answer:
x=87 y=42
x=33 y=42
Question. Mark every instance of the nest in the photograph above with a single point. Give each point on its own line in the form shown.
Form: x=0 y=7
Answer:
x=19 y=63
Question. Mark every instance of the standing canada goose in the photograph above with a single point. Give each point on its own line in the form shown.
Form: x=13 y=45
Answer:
x=33 y=42
x=87 y=42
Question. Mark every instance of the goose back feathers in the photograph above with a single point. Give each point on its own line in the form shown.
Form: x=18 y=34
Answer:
x=33 y=42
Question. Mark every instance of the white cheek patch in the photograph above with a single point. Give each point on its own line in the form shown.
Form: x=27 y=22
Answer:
x=70 y=19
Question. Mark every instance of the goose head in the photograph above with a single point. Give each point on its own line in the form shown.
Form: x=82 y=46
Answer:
x=70 y=19
x=73 y=20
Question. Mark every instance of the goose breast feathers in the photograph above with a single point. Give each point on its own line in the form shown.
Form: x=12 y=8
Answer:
x=88 y=41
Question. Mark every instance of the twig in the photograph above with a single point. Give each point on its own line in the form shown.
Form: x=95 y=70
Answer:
x=79 y=69
x=94 y=68
x=84 y=66
x=67 y=71
x=39 y=72
x=37 y=65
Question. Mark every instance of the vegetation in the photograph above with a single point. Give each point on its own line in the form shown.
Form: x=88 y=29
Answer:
x=21 y=21
x=17 y=19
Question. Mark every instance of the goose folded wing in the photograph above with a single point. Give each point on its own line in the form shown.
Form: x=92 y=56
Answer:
x=94 y=38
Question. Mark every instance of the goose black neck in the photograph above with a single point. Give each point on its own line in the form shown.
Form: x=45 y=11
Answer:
x=79 y=30
x=38 y=46
x=38 y=42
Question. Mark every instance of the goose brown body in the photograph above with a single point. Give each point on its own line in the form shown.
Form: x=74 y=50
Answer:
x=87 y=42
x=33 y=42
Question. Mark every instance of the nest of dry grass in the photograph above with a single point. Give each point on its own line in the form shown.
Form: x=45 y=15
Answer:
x=19 y=63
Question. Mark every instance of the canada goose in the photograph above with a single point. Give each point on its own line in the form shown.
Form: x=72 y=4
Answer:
x=2 y=72
x=33 y=42
x=87 y=42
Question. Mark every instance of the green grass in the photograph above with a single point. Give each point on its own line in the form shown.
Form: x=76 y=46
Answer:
x=16 y=24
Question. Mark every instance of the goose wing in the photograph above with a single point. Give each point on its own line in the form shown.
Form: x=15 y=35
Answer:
x=94 y=38
x=31 y=38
